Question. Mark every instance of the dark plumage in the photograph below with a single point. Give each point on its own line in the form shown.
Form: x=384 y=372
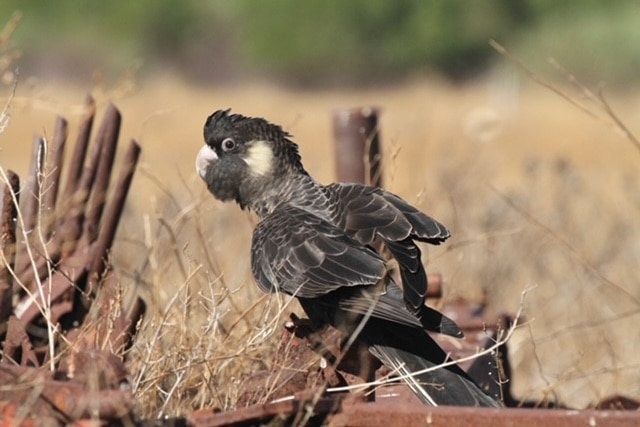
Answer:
x=317 y=243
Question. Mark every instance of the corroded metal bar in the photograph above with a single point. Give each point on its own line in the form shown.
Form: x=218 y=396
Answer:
x=73 y=224
x=113 y=326
x=30 y=200
x=357 y=145
x=70 y=271
x=74 y=172
x=284 y=411
x=109 y=141
x=52 y=176
x=435 y=285
x=70 y=400
x=8 y=217
x=48 y=183
x=113 y=214
x=405 y=414
x=17 y=346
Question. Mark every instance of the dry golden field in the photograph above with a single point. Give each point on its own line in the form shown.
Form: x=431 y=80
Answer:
x=539 y=195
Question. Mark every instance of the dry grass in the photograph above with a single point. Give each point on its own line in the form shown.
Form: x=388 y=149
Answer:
x=536 y=193
x=207 y=328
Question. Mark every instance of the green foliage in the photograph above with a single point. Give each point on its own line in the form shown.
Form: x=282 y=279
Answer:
x=599 y=41
x=371 y=38
x=334 y=40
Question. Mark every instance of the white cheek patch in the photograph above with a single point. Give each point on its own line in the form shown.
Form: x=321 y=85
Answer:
x=259 y=158
x=205 y=157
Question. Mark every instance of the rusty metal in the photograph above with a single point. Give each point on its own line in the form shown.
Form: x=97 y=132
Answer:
x=69 y=226
x=17 y=347
x=296 y=367
x=107 y=234
x=108 y=137
x=380 y=414
x=51 y=179
x=618 y=402
x=65 y=400
x=80 y=150
x=286 y=413
x=298 y=362
x=88 y=383
x=30 y=200
x=112 y=326
x=68 y=274
x=13 y=414
x=74 y=225
x=335 y=410
x=357 y=145
x=435 y=285
x=8 y=217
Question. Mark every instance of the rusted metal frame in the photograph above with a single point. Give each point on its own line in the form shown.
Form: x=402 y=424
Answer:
x=337 y=411
x=357 y=145
x=30 y=200
x=68 y=227
x=258 y=414
x=109 y=138
x=371 y=415
x=90 y=248
x=88 y=259
x=64 y=400
x=42 y=201
x=17 y=347
x=68 y=274
x=113 y=215
x=114 y=331
x=51 y=179
x=492 y=372
x=8 y=218
x=74 y=172
x=74 y=224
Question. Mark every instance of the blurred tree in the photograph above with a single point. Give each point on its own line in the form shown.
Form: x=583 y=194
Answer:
x=373 y=39
x=320 y=42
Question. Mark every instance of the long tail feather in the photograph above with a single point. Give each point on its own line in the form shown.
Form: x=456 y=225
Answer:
x=408 y=350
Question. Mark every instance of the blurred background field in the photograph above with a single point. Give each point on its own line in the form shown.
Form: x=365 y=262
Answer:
x=538 y=192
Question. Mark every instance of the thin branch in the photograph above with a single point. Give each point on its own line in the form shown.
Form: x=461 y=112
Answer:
x=610 y=117
x=582 y=259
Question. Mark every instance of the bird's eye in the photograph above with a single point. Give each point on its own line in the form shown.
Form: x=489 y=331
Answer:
x=228 y=144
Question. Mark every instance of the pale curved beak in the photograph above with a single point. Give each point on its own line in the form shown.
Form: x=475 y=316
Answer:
x=206 y=156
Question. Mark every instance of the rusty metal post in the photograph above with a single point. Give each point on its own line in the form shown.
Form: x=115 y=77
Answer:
x=108 y=136
x=357 y=141
x=112 y=216
x=52 y=176
x=8 y=216
x=74 y=222
x=30 y=200
x=82 y=142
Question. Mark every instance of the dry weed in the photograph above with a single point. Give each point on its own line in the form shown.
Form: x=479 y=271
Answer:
x=207 y=329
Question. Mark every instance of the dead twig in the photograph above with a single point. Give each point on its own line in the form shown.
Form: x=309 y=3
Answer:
x=606 y=114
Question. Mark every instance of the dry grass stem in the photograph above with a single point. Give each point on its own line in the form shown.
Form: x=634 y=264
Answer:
x=605 y=113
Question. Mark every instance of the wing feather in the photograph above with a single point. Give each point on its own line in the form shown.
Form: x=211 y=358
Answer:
x=367 y=213
x=293 y=247
x=392 y=218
